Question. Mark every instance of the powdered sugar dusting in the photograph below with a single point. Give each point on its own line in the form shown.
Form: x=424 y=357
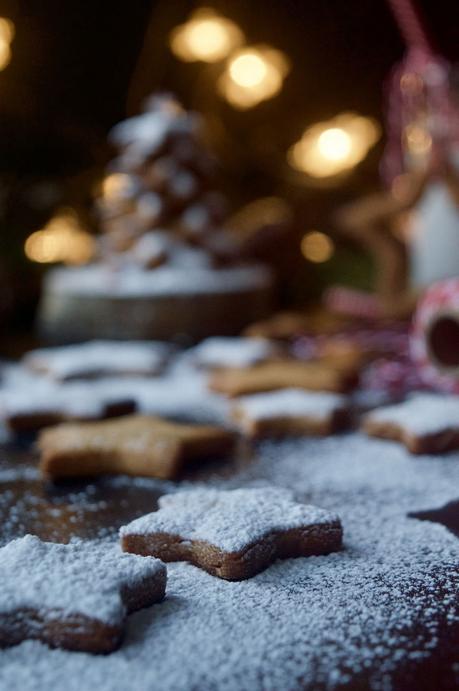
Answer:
x=232 y=352
x=69 y=579
x=99 y=358
x=73 y=400
x=230 y=520
x=423 y=413
x=180 y=392
x=291 y=403
x=354 y=617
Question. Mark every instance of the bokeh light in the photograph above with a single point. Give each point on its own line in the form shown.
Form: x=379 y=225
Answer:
x=417 y=140
x=206 y=36
x=330 y=148
x=253 y=74
x=317 y=247
x=248 y=70
x=334 y=144
x=6 y=36
x=7 y=30
x=61 y=240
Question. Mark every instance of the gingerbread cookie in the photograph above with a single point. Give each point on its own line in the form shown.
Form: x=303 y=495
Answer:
x=291 y=412
x=232 y=534
x=282 y=374
x=232 y=352
x=425 y=423
x=132 y=445
x=72 y=596
x=99 y=358
x=27 y=409
x=286 y=325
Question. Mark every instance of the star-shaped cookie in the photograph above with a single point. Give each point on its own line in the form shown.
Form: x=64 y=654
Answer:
x=74 y=596
x=232 y=534
x=219 y=351
x=35 y=405
x=291 y=412
x=425 y=423
x=99 y=358
x=132 y=445
x=283 y=374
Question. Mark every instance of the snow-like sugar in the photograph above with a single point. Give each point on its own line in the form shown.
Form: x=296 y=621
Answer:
x=422 y=413
x=99 y=357
x=357 y=616
x=291 y=403
x=230 y=520
x=219 y=351
x=69 y=579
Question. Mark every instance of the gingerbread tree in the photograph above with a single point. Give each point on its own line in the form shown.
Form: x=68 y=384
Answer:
x=158 y=203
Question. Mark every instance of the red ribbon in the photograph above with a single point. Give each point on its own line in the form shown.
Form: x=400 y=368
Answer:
x=418 y=91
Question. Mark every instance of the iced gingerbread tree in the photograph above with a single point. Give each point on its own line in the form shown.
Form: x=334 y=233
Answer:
x=167 y=267
x=158 y=204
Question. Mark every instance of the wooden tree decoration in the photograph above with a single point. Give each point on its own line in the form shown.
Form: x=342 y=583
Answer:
x=423 y=131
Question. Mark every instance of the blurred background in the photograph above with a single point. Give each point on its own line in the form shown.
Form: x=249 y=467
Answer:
x=292 y=97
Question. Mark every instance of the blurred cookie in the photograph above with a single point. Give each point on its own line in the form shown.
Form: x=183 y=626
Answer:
x=232 y=352
x=27 y=409
x=99 y=358
x=292 y=412
x=425 y=423
x=282 y=374
x=132 y=445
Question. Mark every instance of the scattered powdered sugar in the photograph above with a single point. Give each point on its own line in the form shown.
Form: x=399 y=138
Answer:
x=355 y=618
x=69 y=579
x=232 y=352
x=230 y=520
x=69 y=400
x=99 y=358
x=423 y=413
x=291 y=403
x=181 y=392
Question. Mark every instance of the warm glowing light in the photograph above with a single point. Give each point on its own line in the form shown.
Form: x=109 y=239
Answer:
x=418 y=140
x=206 y=36
x=5 y=54
x=6 y=30
x=317 y=247
x=265 y=211
x=6 y=36
x=248 y=70
x=253 y=75
x=334 y=144
x=330 y=148
x=61 y=240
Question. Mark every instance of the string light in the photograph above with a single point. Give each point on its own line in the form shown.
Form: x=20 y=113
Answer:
x=330 y=148
x=317 y=247
x=418 y=140
x=248 y=70
x=6 y=36
x=61 y=240
x=7 y=30
x=206 y=36
x=253 y=74
x=334 y=144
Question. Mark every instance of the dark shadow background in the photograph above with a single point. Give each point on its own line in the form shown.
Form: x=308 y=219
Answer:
x=79 y=67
